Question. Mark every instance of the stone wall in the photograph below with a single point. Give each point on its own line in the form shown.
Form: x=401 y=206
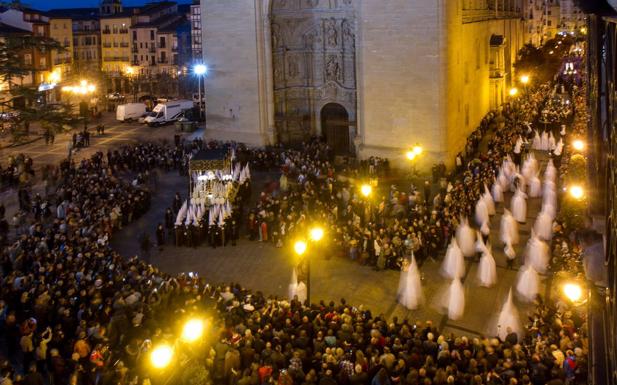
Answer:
x=313 y=53
x=401 y=68
x=236 y=104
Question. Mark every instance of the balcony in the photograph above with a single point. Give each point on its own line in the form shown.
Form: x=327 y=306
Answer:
x=58 y=62
x=134 y=49
x=106 y=31
x=106 y=45
x=478 y=15
x=135 y=63
x=124 y=45
x=152 y=50
x=163 y=61
x=116 y=58
x=124 y=30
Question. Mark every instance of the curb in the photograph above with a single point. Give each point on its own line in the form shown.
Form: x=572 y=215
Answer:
x=21 y=143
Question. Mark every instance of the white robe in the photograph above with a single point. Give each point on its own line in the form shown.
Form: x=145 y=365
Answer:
x=465 y=237
x=508 y=228
x=481 y=212
x=528 y=283
x=535 y=187
x=545 y=141
x=518 y=206
x=487 y=270
x=508 y=318
x=293 y=286
x=412 y=295
x=537 y=254
x=488 y=200
x=537 y=142
x=497 y=192
x=543 y=226
x=453 y=265
x=456 y=300
x=301 y=292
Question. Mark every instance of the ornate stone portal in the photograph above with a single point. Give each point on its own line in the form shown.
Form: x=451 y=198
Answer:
x=313 y=61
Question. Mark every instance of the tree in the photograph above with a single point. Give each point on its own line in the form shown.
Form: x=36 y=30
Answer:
x=21 y=97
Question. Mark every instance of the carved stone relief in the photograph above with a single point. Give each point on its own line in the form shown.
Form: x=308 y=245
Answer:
x=313 y=44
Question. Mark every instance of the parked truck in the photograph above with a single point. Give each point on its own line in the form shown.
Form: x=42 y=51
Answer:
x=130 y=111
x=167 y=112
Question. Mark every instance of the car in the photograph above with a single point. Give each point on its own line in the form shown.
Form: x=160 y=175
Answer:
x=9 y=116
x=115 y=96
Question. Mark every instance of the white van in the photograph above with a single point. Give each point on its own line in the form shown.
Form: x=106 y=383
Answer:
x=167 y=112
x=130 y=111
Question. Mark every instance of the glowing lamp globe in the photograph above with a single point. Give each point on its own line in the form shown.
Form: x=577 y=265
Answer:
x=573 y=292
x=300 y=247
x=366 y=190
x=317 y=233
x=161 y=356
x=577 y=192
x=193 y=330
x=578 y=145
x=200 y=69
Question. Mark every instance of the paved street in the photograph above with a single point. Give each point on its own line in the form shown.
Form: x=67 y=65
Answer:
x=266 y=268
x=263 y=267
x=116 y=134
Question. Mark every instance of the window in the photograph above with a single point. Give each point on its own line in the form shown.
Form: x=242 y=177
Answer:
x=134 y=35
x=42 y=61
x=162 y=42
x=151 y=34
x=28 y=59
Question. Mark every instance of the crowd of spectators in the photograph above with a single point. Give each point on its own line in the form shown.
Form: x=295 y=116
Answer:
x=380 y=230
x=75 y=311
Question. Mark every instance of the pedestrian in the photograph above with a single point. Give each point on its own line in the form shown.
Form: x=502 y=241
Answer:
x=160 y=235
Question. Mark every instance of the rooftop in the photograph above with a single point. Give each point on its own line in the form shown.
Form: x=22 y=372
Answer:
x=9 y=30
x=74 y=13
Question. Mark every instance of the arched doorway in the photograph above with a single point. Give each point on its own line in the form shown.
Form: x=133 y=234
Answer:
x=335 y=128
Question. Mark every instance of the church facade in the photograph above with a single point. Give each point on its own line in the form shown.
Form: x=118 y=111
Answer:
x=373 y=77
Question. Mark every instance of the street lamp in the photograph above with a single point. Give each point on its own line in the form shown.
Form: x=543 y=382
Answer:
x=513 y=91
x=300 y=248
x=316 y=234
x=131 y=72
x=525 y=79
x=573 y=291
x=366 y=190
x=161 y=356
x=193 y=329
x=577 y=192
x=200 y=70
x=578 y=145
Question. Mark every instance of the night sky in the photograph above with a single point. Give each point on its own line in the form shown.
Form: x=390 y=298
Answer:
x=49 y=4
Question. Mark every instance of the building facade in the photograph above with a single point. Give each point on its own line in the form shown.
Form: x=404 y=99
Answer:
x=373 y=77
x=61 y=30
x=196 y=32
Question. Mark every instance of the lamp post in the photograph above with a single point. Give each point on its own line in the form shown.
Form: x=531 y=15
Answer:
x=300 y=248
x=366 y=190
x=200 y=70
x=130 y=72
x=578 y=145
x=411 y=156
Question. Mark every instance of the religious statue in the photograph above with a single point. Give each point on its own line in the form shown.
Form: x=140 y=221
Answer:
x=276 y=36
x=292 y=65
x=333 y=69
x=331 y=33
x=348 y=35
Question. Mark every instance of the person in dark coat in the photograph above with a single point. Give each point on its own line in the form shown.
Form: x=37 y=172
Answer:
x=160 y=235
